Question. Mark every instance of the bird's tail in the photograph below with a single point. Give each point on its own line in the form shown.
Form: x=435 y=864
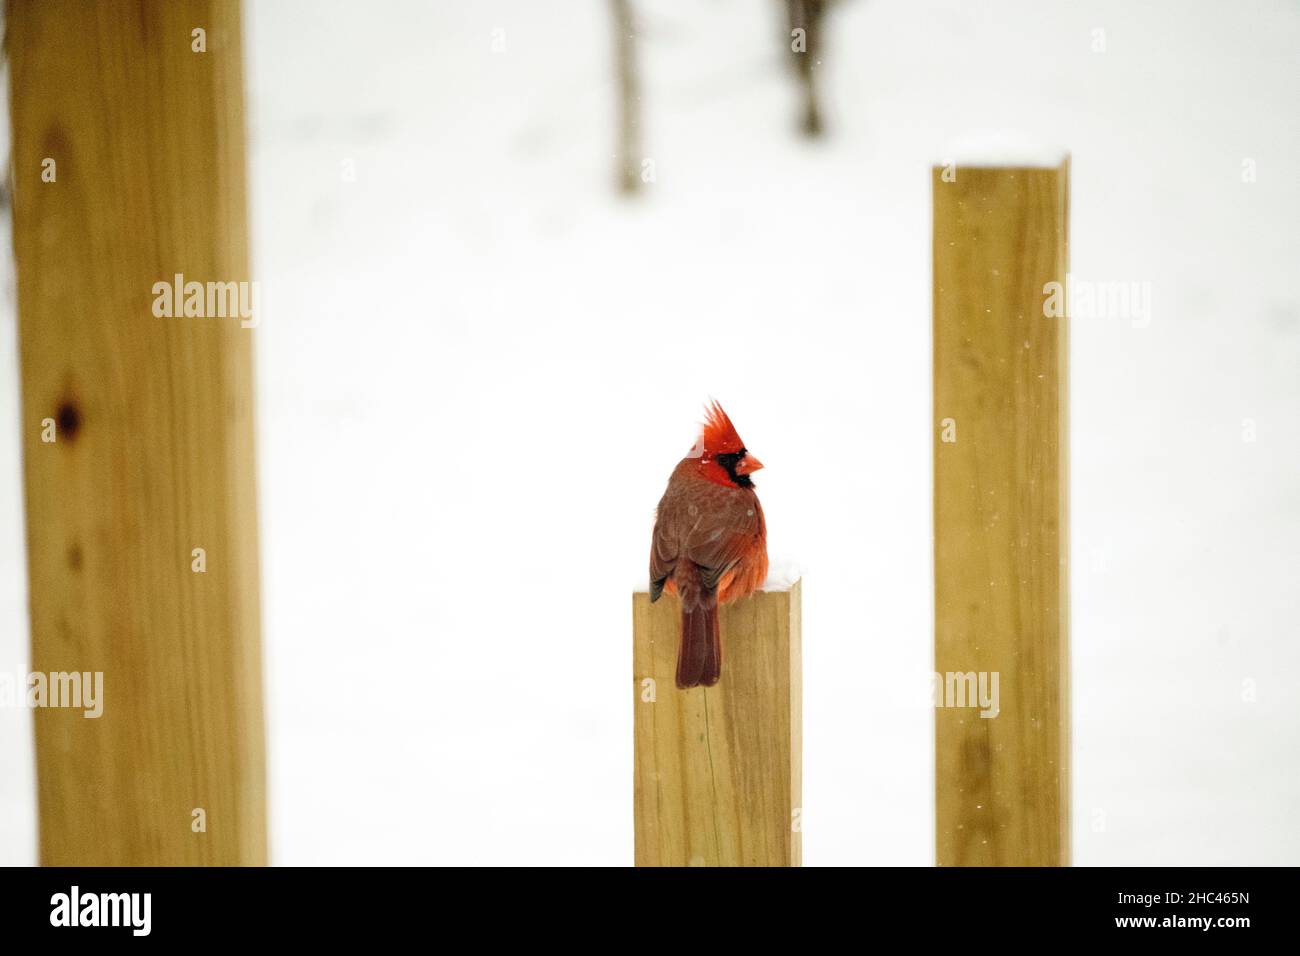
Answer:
x=699 y=656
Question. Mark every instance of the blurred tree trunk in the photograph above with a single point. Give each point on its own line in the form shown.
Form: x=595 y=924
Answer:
x=629 y=97
x=805 y=39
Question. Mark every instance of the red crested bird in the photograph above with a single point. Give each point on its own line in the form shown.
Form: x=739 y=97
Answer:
x=710 y=542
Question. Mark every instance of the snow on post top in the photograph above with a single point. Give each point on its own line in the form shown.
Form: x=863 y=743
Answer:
x=1009 y=148
x=782 y=573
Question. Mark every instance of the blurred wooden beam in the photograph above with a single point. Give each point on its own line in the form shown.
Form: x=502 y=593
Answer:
x=1000 y=520
x=719 y=772
x=153 y=456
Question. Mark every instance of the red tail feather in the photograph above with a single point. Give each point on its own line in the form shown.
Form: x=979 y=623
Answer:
x=699 y=657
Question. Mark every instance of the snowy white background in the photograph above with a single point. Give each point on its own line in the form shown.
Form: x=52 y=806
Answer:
x=477 y=368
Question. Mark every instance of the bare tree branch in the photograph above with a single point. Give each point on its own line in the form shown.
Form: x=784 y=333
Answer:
x=629 y=97
x=806 y=18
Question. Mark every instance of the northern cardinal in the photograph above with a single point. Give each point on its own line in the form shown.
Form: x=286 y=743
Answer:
x=710 y=542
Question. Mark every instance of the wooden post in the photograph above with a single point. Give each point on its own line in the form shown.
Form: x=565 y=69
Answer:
x=1000 y=521
x=129 y=169
x=719 y=774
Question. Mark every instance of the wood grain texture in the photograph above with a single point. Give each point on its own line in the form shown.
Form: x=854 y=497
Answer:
x=719 y=771
x=1000 y=514
x=154 y=453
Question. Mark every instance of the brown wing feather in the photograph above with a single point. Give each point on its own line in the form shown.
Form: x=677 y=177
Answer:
x=664 y=545
x=728 y=531
x=714 y=526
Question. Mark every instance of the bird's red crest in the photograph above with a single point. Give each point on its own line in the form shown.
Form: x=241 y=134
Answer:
x=720 y=436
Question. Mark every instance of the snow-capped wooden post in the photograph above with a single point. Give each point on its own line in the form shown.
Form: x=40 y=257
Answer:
x=128 y=173
x=719 y=773
x=1002 y=734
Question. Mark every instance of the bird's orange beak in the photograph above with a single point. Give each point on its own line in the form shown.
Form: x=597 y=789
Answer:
x=748 y=465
